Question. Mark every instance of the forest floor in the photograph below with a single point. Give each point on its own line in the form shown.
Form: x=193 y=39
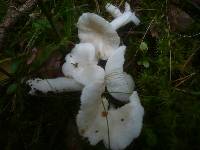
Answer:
x=34 y=42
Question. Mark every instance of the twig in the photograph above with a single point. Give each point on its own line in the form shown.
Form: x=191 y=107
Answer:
x=169 y=42
x=5 y=72
x=188 y=36
x=182 y=80
x=189 y=59
x=146 y=32
x=107 y=124
x=97 y=6
x=184 y=77
x=148 y=29
x=122 y=2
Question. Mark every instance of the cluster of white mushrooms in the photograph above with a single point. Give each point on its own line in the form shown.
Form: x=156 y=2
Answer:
x=98 y=120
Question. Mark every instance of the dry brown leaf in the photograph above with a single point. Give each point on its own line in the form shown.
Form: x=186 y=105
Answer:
x=179 y=20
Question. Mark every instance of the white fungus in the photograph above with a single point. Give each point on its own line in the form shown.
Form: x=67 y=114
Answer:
x=97 y=120
x=82 y=54
x=81 y=64
x=124 y=123
x=119 y=84
x=59 y=84
x=121 y=19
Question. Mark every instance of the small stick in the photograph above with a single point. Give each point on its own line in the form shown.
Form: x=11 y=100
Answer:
x=184 y=79
x=107 y=124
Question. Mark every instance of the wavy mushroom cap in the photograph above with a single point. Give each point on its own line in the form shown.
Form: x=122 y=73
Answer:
x=89 y=110
x=124 y=123
x=96 y=30
x=119 y=84
x=84 y=53
x=81 y=65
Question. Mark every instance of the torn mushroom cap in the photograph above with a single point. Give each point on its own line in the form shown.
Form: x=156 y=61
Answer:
x=124 y=123
x=59 y=84
x=84 y=53
x=96 y=30
x=81 y=65
x=119 y=84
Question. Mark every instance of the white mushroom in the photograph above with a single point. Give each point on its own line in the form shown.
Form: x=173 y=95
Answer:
x=121 y=19
x=89 y=74
x=90 y=101
x=113 y=10
x=81 y=65
x=82 y=54
x=96 y=30
x=60 y=84
x=124 y=124
x=119 y=84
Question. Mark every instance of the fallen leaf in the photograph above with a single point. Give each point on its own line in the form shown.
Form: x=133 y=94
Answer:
x=179 y=20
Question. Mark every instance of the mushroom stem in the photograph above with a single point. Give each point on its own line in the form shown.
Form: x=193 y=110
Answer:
x=113 y=10
x=124 y=19
x=121 y=19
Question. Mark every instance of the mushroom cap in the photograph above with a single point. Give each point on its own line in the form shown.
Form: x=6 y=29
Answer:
x=88 y=74
x=96 y=30
x=81 y=64
x=84 y=53
x=124 y=123
x=119 y=84
x=113 y=10
x=84 y=74
x=90 y=104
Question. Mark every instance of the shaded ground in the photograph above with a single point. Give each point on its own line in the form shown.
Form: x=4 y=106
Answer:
x=165 y=68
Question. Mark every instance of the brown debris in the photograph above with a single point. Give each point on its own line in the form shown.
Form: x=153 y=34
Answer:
x=154 y=31
x=179 y=20
x=104 y=113
x=14 y=13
